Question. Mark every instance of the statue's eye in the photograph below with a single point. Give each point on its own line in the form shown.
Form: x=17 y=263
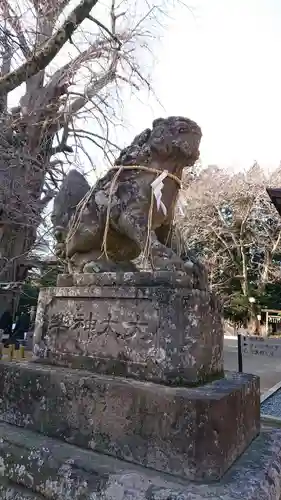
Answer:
x=158 y=133
x=182 y=130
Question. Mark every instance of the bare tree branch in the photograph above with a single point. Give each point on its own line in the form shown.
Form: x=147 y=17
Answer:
x=15 y=24
x=52 y=117
x=7 y=51
x=50 y=49
x=93 y=89
x=103 y=27
x=231 y=220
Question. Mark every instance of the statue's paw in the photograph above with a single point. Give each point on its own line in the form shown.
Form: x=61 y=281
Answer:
x=164 y=264
x=126 y=267
x=176 y=266
x=60 y=250
x=92 y=267
x=189 y=265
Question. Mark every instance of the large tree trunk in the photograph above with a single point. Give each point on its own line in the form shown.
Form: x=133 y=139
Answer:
x=21 y=181
x=25 y=152
x=28 y=131
x=15 y=245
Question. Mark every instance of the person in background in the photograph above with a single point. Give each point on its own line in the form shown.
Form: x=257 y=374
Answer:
x=22 y=326
x=6 y=325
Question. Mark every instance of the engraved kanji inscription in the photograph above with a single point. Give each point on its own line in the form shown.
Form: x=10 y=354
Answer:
x=99 y=320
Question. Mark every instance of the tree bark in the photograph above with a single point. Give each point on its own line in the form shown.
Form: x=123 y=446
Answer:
x=244 y=282
x=49 y=50
x=28 y=132
x=13 y=271
x=19 y=219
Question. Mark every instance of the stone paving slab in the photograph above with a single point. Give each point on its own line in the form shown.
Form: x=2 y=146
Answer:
x=272 y=405
x=59 y=471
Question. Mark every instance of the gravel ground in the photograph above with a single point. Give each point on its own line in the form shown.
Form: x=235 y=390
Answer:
x=272 y=405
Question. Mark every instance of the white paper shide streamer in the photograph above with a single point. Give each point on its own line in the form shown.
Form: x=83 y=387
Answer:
x=181 y=204
x=157 y=186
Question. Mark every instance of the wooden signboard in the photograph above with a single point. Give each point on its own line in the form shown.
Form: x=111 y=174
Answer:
x=261 y=346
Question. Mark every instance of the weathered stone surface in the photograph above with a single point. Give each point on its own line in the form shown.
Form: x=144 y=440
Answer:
x=123 y=198
x=11 y=491
x=195 y=433
x=45 y=466
x=254 y=476
x=151 y=326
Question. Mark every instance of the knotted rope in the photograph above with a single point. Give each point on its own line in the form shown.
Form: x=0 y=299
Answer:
x=83 y=203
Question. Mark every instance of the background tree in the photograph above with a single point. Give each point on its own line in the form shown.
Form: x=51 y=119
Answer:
x=231 y=223
x=44 y=274
x=68 y=67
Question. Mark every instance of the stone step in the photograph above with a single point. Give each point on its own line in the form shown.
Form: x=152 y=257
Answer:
x=35 y=467
x=11 y=491
x=164 y=428
x=46 y=466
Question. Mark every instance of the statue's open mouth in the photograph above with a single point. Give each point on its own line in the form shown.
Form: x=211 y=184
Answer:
x=187 y=149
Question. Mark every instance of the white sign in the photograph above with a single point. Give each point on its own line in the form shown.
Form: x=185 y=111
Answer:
x=261 y=346
x=274 y=319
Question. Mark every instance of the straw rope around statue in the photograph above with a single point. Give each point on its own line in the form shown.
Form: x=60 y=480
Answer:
x=83 y=203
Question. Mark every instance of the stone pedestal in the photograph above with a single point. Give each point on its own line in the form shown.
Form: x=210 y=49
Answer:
x=130 y=365
x=193 y=433
x=150 y=326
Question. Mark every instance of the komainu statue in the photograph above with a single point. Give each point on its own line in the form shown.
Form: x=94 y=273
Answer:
x=106 y=227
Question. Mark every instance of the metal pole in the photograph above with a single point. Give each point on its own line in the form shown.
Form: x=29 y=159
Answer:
x=240 y=360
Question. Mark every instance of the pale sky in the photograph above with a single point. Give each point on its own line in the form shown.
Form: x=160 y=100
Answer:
x=220 y=65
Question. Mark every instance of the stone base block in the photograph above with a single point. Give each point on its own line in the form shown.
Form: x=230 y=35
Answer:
x=149 y=326
x=36 y=468
x=194 y=433
x=11 y=491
